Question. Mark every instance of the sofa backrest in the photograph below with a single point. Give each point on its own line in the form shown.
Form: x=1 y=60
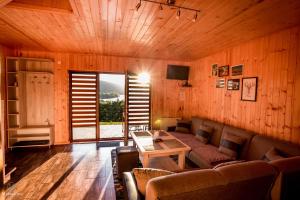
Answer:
x=196 y=122
x=287 y=184
x=260 y=145
x=218 y=128
x=247 y=135
x=248 y=180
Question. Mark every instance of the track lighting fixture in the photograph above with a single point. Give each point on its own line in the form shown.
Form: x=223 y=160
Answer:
x=195 y=17
x=178 y=14
x=138 y=5
x=171 y=4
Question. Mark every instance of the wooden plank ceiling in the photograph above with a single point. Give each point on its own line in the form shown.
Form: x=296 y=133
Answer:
x=113 y=27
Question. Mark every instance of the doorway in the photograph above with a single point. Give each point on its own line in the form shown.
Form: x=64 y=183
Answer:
x=112 y=105
x=97 y=104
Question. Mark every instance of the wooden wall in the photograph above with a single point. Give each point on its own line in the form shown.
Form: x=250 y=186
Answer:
x=275 y=60
x=165 y=93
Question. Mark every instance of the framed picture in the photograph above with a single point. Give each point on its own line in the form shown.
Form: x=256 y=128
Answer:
x=233 y=84
x=237 y=70
x=223 y=71
x=220 y=83
x=214 y=70
x=249 y=89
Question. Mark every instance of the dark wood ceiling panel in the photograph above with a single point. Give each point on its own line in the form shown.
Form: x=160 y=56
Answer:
x=115 y=28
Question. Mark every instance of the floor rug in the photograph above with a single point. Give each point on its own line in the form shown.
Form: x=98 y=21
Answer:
x=108 y=144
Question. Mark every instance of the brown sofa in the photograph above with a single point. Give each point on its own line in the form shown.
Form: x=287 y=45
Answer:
x=248 y=180
x=206 y=156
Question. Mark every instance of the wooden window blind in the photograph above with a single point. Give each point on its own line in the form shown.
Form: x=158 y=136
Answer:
x=83 y=99
x=138 y=104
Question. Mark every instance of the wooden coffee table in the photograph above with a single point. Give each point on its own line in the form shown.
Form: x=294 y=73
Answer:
x=169 y=145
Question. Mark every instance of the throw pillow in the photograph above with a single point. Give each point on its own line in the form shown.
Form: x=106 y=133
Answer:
x=228 y=163
x=183 y=126
x=204 y=133
x=273 y=154
x=231 y=144
x=143 y=175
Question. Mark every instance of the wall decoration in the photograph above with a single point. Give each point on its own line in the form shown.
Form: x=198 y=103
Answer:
x=237 y=70
x=233 y=84
x=249 y=89
x=220 y=83
x=223 y=71
x=214 y=70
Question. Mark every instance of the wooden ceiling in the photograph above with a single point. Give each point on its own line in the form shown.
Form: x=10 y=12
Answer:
x=113 y=27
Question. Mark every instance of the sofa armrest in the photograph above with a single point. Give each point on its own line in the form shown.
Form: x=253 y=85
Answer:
x=131 y=190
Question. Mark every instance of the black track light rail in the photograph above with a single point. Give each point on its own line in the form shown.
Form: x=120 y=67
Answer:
x=172 y=5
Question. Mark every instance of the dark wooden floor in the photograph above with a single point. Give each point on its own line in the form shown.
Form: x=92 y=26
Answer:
x=76 y=171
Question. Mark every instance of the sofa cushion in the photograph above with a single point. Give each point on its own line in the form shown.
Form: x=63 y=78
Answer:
x=143 y=175
x=188 y=139
x=246 y=135
x=260 y=145
x=207 y=156
x=273 y=154
x=231 y=144
x=183 y=126
x=216 y=135
x=204 y=133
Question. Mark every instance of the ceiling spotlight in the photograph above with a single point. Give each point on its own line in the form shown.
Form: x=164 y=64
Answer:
x=138 y=5
x=160 y=7
x=178 y=14
x=195 y=17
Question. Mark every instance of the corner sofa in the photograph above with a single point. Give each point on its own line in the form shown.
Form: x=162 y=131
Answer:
x=237 y=181
x=208 y=155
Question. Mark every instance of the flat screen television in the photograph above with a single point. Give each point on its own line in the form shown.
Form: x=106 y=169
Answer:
x=178 y=72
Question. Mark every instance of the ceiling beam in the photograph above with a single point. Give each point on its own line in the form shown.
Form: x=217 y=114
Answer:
x=4 y=3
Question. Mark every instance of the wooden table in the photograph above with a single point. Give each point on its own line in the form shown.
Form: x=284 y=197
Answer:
x=169 y=145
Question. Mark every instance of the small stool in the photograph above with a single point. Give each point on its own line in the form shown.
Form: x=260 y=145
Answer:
x=127 y=159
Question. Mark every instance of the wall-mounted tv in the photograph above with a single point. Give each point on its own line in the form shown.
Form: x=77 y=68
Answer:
x=178 y=72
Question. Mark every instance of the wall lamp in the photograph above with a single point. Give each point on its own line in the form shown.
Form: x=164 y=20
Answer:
x=171 y=3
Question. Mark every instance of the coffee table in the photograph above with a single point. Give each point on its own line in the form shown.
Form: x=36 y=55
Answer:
x=169 y=145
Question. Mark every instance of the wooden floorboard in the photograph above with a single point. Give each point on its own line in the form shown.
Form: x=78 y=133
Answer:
x=77 y=171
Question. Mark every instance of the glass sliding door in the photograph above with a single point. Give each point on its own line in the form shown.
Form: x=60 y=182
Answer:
x=111 y=105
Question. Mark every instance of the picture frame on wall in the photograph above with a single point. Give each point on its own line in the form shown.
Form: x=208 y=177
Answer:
x=220 y=83
x=233 y=84
x=223 y=71
x=249 y=88
x=214 y=70
x=237 y=70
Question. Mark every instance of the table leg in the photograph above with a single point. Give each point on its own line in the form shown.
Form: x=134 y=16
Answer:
x=181 y=160
x=145 y=161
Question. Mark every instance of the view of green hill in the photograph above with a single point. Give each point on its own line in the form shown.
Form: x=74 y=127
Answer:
x=110 y=90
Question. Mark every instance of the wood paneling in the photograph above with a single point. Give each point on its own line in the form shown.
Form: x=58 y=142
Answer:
x=275 y=60
x=104 y=26
x=4 y=2
x=164 y=92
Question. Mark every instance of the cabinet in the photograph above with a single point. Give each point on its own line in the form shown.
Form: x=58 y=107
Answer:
x=29 y=102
